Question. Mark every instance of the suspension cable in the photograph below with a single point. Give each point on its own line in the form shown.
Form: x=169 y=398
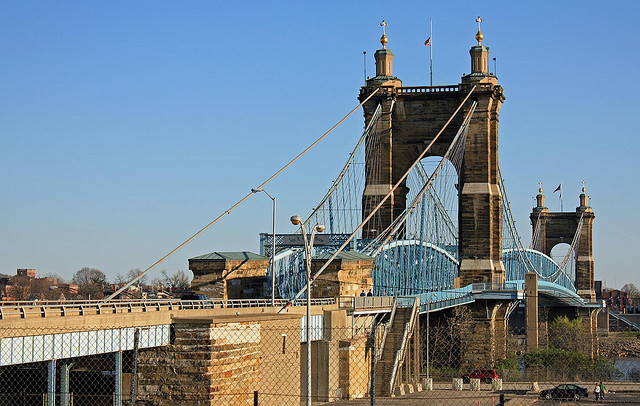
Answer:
x=228 y=211
x=375 y=210
x=395 y=225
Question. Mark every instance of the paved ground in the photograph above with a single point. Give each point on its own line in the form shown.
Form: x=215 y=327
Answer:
x=485 y=398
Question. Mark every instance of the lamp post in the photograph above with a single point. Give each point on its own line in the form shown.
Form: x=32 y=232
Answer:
x=273 y=247
x=308 y=246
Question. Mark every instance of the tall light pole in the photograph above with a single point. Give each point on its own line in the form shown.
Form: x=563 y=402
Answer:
x=273 y=247
x=308 y=246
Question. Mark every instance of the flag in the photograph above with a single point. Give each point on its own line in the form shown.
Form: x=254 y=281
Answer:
x=558 y=188
x=428 y=42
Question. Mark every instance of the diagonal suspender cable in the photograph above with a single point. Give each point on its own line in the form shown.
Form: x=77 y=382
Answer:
x=398 y=183
x=395 y=225
x=228 y=211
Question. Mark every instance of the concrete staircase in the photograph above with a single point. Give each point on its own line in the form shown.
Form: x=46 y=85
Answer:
x=395 y=346
x=618 y=322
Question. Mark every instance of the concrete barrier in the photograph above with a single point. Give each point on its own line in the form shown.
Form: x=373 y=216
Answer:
x=427 y=383
x=474 y=384
x=496 y=385
x=457 y=384
x=407 y=388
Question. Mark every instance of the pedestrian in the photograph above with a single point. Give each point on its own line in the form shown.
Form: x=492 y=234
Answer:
x=603 y=390
x=369 y=293
x=362 y=293
x=596 y=391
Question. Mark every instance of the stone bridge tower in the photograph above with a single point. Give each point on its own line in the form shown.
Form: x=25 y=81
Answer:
x=411 y=118
x=551 y=229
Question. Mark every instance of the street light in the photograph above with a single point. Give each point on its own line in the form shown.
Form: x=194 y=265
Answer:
x=308 y=246
x=273 y=247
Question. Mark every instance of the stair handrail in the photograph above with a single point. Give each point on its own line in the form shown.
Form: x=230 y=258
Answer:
x=386 y=329
x=620 y=317
x=408 y=329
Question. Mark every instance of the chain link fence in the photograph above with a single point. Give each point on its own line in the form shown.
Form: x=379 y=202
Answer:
x=373 y=359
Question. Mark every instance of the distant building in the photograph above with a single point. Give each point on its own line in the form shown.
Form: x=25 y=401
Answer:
x=616 y=299
x=31 y=273
x=597 y=286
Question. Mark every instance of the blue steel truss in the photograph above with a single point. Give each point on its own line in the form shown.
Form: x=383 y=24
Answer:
x=418 y=254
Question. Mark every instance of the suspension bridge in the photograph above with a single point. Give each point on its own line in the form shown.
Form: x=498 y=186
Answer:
x=418 y=251
x=421 y=201
x=422 y=194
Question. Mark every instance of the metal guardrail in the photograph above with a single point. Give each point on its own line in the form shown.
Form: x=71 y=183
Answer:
x=359 y=303
x=387 y=329
x=446 y=302
x=370 y=302
x=483 y=287
x=623 y=319
x=427 y=89
x=22 y=310
x=43 y=309
x=400 y=354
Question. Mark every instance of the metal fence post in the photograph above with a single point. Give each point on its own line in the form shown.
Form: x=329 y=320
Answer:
x=118 y=379
x=374 y=356
x=64 y=384
x=255 y=398
x=51 y=383
x=134 y=367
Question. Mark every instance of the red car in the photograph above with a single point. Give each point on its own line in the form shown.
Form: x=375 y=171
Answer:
x=485 y=375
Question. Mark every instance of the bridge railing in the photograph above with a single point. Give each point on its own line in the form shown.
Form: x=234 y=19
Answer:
x=427 y=89
x=22 y=310
x=484 y=87
x=374 y=302
x=483 y=287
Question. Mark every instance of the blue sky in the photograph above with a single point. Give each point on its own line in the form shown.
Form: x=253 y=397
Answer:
x=127 y=126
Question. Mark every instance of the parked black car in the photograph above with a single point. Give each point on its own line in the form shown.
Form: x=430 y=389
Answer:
x=565 y=391
x=194 y=296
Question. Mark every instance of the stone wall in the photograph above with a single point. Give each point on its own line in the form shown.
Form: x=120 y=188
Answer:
x=247 y=288
x=354 y=368
x=485 y=341
x=223 y=360
x=229 y=278
x=343 y=277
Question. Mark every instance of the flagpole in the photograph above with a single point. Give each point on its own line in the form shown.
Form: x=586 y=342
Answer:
x=431 y=53
x=561 y=200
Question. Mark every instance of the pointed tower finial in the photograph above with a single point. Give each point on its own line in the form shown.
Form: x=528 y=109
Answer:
x=479 y=35
x=584 y=199
x=540 y=197
x=384 y=39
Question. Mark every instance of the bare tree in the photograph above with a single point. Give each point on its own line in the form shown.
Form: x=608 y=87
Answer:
x=632 y=290
x=21 y=287
x=120 y=279
x=45 y=288
x=58 y=279
x=178 y=280
x=157 y=283
x=90 y=282
x=133 y=273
